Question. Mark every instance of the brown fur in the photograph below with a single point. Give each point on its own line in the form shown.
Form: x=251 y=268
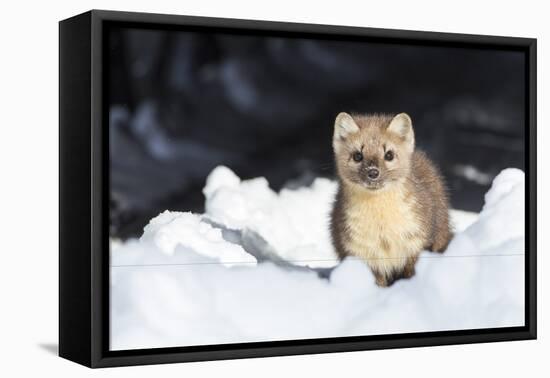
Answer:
x=390 y=220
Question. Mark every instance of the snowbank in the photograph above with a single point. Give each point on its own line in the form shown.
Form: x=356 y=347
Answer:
x=250 y=269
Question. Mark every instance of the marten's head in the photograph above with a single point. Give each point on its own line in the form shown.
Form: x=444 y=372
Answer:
x=373 y=151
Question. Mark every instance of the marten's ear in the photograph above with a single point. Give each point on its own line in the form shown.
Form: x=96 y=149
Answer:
x=401 y=125
x=344 y=125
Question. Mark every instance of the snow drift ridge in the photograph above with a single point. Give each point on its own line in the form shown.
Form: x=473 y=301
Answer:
x=238 y=272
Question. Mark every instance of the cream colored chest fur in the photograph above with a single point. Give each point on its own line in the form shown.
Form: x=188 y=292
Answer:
x=383 y=229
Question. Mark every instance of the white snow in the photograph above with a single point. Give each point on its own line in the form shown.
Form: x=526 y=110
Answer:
x=471 y=173
x=293 y=222
x=189 y=279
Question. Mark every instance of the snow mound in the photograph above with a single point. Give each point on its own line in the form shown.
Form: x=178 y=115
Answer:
x=293 y=222
x=250 y=269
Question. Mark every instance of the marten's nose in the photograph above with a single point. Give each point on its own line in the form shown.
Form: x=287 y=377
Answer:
x=373 y=173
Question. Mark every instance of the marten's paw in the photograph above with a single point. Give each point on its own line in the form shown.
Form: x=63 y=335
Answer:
x=383 y=280
x=408 y=272
x=441 y=242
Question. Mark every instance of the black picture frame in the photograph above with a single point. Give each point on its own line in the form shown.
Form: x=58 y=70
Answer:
x=84 y=194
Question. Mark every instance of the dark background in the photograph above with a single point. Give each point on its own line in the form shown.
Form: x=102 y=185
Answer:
x=182 y=103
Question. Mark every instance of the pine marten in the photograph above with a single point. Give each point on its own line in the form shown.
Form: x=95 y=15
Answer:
x=391 y=202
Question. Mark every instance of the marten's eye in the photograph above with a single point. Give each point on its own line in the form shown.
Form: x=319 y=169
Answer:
x=389 y=156
x=357 y=156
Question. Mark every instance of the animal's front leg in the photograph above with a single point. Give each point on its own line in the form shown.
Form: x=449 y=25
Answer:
x=409 y=270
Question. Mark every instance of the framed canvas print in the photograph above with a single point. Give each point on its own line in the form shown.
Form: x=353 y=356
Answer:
x=233 y=188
